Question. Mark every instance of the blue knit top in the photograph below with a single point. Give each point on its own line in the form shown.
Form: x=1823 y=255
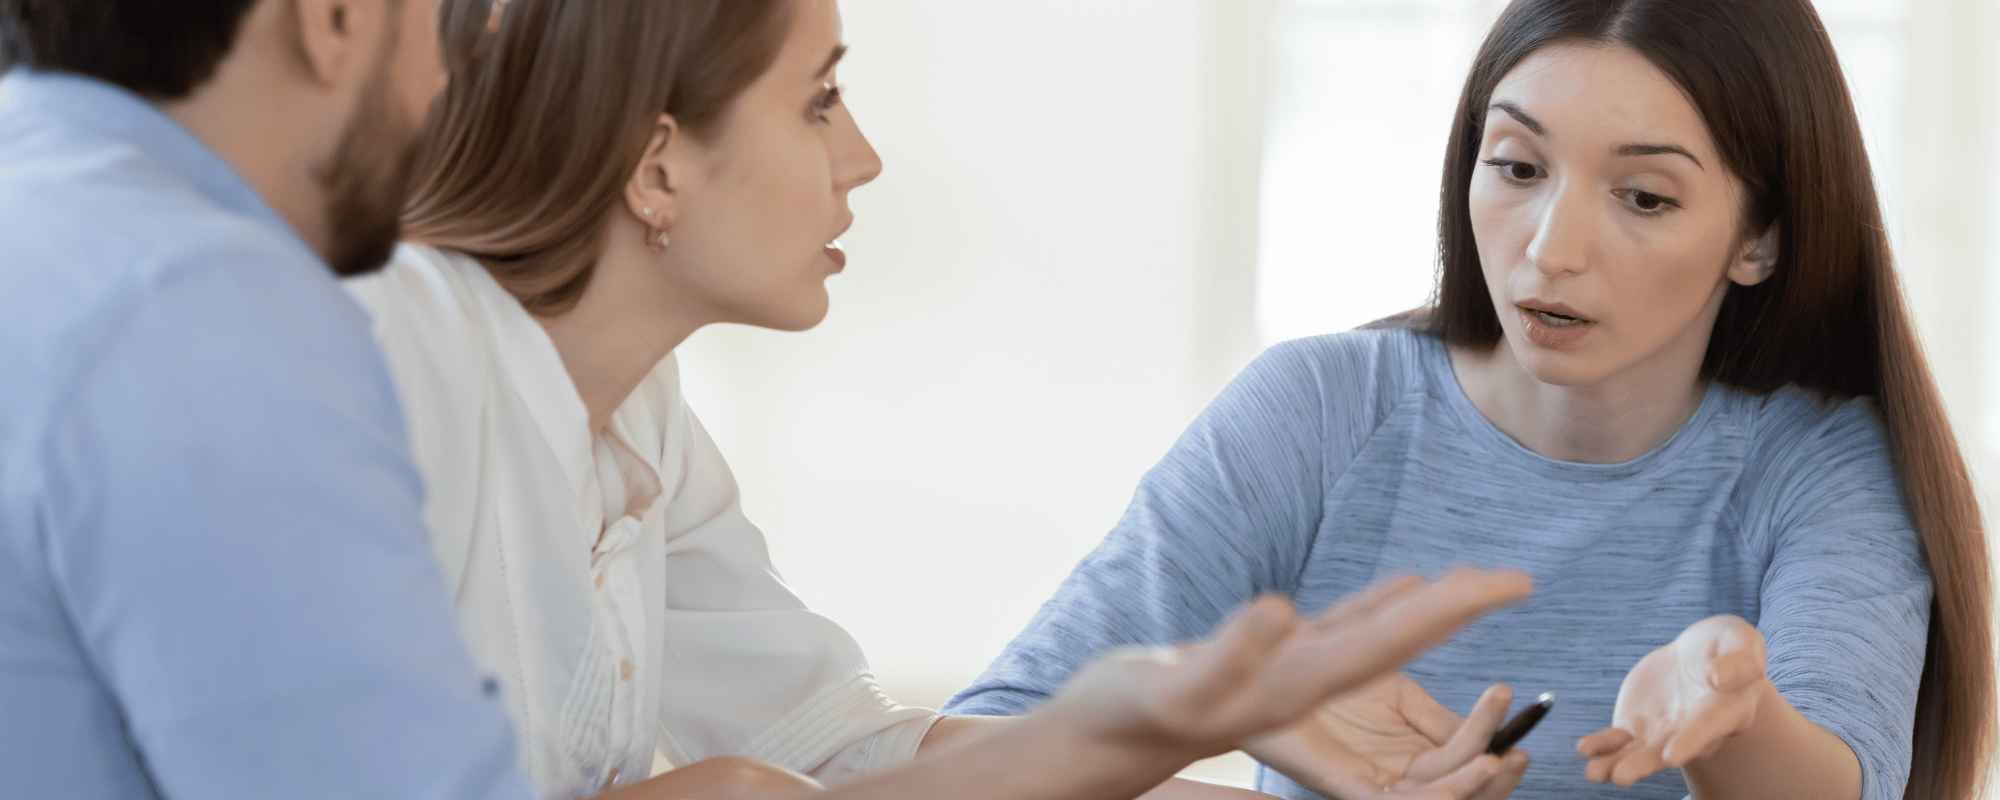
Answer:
x=1336 y=460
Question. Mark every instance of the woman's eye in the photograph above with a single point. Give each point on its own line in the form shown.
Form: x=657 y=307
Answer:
x=1647 y=202
x=1516 y=171
x=829 y=97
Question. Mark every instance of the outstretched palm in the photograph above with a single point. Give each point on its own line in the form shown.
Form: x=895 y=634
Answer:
x=1680 y=702
x=1266 y=668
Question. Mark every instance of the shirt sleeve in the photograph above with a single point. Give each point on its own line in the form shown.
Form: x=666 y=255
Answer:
x=233 y=529
x=1227 y=515
x=1846 y=598
x=749 y=670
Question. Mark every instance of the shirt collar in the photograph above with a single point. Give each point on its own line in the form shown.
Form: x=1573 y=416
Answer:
x=535 y=371
x=104 y=109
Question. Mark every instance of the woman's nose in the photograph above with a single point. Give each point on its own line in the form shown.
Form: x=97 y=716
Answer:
x=1564 y=233
x=858 y=163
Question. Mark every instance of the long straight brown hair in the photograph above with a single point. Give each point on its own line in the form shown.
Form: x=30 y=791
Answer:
x=1831 y=320
x=550 y=106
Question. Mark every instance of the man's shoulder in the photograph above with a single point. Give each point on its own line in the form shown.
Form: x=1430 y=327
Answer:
x=103 y=248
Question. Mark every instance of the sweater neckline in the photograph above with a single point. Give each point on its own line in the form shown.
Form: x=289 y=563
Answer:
x=1444 y=384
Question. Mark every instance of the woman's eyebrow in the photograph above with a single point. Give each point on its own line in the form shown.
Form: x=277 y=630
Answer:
x=1657 y=149
x=1520 y=116
x=838 y=52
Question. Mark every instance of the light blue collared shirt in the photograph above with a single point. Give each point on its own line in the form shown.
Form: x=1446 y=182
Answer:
x=214 y=578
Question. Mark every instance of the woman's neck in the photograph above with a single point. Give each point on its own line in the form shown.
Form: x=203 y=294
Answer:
x=628 y=319
x=1613 y=420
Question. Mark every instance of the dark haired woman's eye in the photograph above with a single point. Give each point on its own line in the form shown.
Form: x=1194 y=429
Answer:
x=1647 y=202
x=829 y=97
x=1515 y=171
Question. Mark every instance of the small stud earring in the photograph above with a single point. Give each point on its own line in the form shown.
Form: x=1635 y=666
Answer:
x=663 y=240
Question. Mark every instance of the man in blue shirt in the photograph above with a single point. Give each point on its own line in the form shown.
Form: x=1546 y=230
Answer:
x=214 y=581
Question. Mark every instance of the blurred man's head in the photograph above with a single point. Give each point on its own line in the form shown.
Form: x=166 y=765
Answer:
x=319 y=104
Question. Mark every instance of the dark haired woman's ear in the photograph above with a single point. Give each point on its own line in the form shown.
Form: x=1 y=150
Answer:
x=1758 y=260
x=651 y=194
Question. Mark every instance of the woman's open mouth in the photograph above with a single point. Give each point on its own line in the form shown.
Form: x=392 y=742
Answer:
x=1555 y=320
x=1553 y=326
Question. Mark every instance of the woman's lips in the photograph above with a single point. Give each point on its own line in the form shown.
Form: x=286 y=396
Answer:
x=837 y=255
x=1552 y=331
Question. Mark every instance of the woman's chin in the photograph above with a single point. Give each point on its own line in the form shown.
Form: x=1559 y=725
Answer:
x=1565 y=368
x=804 y=314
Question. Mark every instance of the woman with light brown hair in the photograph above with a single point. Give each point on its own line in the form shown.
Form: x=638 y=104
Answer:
x=1669 y=374
x=600 y=180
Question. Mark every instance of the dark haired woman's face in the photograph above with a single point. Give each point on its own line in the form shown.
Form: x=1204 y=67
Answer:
x=755 y=239
x=1607 y=225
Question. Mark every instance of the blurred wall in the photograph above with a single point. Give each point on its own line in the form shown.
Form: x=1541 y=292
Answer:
x=1050 y=279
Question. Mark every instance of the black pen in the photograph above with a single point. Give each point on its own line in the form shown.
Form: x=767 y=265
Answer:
x=1505 y=738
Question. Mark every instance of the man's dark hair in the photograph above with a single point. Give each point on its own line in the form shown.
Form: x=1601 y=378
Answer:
x=161 y=49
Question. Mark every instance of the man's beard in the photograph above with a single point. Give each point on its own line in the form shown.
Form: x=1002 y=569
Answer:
x=367 y=182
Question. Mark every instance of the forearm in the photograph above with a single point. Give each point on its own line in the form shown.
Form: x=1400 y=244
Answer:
x=955 y=732
x=1025 y=758
x=1782 y=756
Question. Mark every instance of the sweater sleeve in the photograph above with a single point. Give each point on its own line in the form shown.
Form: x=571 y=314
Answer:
x=1227 y=515
x=1846 y=597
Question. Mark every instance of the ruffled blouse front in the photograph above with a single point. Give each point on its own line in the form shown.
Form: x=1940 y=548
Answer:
x=611 y=585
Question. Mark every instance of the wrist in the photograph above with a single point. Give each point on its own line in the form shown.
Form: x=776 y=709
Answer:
x=1111 y=749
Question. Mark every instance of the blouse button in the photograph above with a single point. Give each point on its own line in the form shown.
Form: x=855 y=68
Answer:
x=625 y=669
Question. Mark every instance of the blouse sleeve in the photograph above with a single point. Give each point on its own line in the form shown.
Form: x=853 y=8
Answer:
x=748 y=669
x=1228 y=514
x=1845 y=604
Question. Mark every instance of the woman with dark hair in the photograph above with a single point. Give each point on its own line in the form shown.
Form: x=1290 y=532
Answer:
x=599 y=181
x=1668 y=374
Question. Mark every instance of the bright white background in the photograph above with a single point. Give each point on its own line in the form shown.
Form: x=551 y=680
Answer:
x=1095 y=211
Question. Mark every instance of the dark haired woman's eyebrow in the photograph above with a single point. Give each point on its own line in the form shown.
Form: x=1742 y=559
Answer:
x=1520 y=116
x=831 y=60
x=1657 y=149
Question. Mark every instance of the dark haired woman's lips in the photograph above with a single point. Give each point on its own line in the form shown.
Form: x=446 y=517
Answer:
x=1553 y=330
x=835 y=254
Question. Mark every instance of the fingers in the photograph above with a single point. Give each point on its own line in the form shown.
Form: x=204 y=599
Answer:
x=1369 y=636
x=1436 y=722
x=1626 y=765
x=1513 y=765
x=1471 y=738
x=1390 y=624
x=1217 y=668
x=1463 y=782
x=1735 y=669
x=1603 y=748
x=1368 y=599
x=1603 y=743
x=1704 y=735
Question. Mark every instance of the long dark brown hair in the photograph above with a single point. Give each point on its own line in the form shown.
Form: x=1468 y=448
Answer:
x=1831 y=320
x=549 y=110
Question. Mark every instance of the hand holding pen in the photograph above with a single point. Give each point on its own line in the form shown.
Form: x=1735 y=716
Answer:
x=1390 y=740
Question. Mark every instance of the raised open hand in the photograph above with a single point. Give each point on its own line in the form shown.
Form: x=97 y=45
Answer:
x=1389 y=740
x=1265 y=668
x=1680 y=702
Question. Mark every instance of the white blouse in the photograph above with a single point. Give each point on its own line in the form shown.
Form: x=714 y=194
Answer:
x=611 y=585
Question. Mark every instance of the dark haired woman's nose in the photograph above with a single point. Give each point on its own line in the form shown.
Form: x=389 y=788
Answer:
x=1562 y=237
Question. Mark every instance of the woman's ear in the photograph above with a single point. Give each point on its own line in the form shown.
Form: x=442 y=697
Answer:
x=1758 y=259
x=652 y=194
